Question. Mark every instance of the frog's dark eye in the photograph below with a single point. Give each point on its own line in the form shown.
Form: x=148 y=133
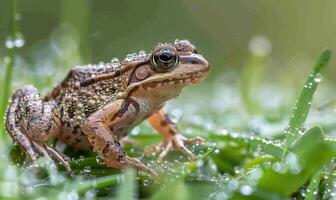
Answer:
x=164 y=59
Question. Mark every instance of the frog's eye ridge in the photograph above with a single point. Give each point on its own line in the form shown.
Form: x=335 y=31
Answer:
x=164 y=59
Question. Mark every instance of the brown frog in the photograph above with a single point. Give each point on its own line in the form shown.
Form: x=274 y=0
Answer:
x=97 y=105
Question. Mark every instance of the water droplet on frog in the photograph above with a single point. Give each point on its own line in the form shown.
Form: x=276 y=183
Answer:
x=114 y=61
x=318 y=78
x=142 y=53
x=129 y=56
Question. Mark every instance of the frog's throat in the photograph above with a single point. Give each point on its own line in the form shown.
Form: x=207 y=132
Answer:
x=169 y=79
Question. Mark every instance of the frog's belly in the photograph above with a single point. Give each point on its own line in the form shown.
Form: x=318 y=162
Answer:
x=75 y=137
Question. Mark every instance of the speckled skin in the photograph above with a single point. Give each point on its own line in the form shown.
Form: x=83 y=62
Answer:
x=96 y=105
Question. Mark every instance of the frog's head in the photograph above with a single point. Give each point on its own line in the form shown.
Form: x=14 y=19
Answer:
x=168 y=69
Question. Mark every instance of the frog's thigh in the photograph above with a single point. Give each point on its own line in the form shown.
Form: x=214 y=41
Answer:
x=160 y=121
x=39 y=120
x=104 y=142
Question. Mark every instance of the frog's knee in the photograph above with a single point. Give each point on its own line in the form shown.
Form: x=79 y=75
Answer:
x=39 y=133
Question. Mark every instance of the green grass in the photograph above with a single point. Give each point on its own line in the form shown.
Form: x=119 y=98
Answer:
x=9 y=62
x=240 y=159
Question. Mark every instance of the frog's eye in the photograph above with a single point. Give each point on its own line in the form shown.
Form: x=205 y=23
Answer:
x=164 y=59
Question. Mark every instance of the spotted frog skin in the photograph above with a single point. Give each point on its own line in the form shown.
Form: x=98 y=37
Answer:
x=95 y=106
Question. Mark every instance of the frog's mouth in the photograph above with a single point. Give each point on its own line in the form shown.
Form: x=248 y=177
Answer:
x=161 y=82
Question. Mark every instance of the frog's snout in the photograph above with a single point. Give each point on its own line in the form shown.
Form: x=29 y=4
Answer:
x=203 y=62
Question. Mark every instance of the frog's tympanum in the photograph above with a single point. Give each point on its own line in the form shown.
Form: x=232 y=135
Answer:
x=95 y=106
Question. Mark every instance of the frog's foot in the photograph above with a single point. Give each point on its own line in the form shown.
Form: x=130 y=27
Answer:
x=176 y=142
x=50 y=153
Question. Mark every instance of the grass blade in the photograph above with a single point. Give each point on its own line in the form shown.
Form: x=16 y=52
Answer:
x=303 y=103
x=313 y=186
x=97 y=183
x=127 y=189
x=289 y=182
x=9 y=62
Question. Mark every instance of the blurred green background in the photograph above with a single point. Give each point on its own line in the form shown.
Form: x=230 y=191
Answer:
x=221 y=30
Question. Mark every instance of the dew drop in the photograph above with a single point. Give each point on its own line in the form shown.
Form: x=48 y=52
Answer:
x=7 y=60
x=19 y=40
x=73 y=196
x=115 y=60
x=100 y=160
x=146 y=182
x=17 y=16
x=246 y=190
x=9 y=43
x=87 y=169
x=260 y=46
x=318 y=78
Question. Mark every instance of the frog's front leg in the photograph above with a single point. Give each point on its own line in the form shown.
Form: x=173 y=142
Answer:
x=104 y=142
x=172 y=137
x=31 y=122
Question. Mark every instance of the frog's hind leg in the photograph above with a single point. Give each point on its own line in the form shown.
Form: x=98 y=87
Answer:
x=173 y=140
x=31 y=122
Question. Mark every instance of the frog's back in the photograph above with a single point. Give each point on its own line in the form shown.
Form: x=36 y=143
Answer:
x=77 y=102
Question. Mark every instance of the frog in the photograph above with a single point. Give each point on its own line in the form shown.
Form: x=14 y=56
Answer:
x=97 y=105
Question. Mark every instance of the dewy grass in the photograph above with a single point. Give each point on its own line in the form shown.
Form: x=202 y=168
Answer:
x=313 y=187
x=303 y=103
x=13 y=41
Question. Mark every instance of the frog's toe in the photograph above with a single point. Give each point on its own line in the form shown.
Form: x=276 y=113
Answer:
x=50 y=153
x=157 y=148
x=163 y=148
x=167 y=147
x=180 y=143
x=176 y=142
x=135 y=163
x=196 y=140
x=42 y=151
x=63 y=159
